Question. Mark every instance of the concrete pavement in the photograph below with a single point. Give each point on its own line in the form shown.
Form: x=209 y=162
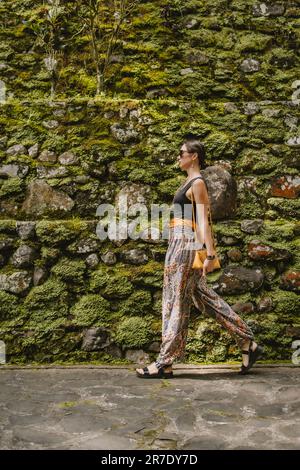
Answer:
x=103 y=407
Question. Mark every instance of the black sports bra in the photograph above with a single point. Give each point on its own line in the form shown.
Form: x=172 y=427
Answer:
x=183 y=205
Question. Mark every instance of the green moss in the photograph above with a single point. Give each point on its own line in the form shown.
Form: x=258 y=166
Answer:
x=133 y=332
x=220 y=144
x=11 y=186
x=10 y=306
x=111 y=282
x=91 y=309
x=138 y=303
x=56 y=232
x=148 y=275
x=49 y=300
x=286 y=207
x=286 y=302
x=8 y=226
x=252 y=42
x=70 y=271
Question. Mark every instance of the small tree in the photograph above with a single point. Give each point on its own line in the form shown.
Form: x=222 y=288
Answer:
x=46 y=23
x=102 y=21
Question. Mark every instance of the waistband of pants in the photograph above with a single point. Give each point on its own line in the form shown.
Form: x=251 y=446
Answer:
x=182 y=222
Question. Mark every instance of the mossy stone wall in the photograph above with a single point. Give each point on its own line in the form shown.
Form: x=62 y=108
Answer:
x=225 y=71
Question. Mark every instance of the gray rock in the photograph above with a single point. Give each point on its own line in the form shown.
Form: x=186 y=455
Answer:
x=293 y=142
x=33 y=151
x=124 y=134
x=186 y=71
x=23 y=257
x=92 y=260
x=222 y=189
x=193 y=22
x=25 y=229
x=52 y=124
x=266 y=9
x=47 y=156
x=14 y=169
x=154 y=347
x=137 y=356
x=252 y=226
x=15 y=283
x=251 y=108
x=95 y=339
x=238 y=279
x=42 y=199
x=67 y=158
x=135 y=256
x=16 y=150
x=230 y=108
x=39 y=275
x=265 y=304
x=230 y=240
x=51 y=172
x=85 y=245
x=109 y=258
x=197 y=57
x=114 y=351
x=250 y=65
x=243 y=307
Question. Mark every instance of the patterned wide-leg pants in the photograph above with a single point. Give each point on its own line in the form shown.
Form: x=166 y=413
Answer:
x=183 y=285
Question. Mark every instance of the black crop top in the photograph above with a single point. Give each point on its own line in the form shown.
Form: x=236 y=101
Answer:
x=182 y=204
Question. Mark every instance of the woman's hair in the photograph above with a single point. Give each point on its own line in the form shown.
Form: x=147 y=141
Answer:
x=195 y=146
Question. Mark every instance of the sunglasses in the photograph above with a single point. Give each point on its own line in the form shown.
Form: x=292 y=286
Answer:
x=181 y=152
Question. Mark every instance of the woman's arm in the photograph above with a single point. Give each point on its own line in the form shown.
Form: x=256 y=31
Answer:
x=202 y=204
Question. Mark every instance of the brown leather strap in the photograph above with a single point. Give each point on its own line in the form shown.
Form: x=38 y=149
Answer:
x=210 y=220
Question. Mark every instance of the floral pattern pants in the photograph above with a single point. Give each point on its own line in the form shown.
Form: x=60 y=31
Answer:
x=183 y=285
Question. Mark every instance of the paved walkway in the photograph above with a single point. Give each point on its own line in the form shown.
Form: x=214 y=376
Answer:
x=110 y=408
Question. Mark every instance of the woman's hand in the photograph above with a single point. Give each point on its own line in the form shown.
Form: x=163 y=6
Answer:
x=207 y=266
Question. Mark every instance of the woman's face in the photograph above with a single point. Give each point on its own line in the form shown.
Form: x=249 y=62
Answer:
x=185 y=158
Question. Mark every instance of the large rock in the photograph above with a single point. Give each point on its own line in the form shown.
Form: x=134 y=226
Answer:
x=261 y=251
x=237 y=279
x=124 y=134
x=250 y=65
x=96 y=339
x=51 y=172
x=15 y=283
x=13 y=169
x=286 y=186
x=135 y=256
x=222 y=190
x=24 y=256
x=268 y=9
x=47 y=156
x=290 y=280
x=251 y=225
x=16 y=150
x=42 y=199
x=25 y=229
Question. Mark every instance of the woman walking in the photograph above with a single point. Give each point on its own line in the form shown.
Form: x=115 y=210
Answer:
x=182 y=284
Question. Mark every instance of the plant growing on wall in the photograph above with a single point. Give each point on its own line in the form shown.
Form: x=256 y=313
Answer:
x=103 y=20
x=46 y=22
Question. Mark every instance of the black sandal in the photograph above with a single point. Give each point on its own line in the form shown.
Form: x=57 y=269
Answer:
x=161 y=374
x=253 y=356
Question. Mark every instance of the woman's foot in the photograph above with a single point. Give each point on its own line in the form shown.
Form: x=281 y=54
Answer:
x=246 y=348
x=153 y=371
x=251 y=352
